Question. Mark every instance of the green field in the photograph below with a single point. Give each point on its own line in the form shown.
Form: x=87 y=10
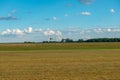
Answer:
x=60 y=61
x=59 y=46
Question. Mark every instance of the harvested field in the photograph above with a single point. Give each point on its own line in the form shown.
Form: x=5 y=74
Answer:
x=67 y=64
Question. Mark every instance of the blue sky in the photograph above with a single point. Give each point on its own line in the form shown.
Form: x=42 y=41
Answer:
x=36 y=20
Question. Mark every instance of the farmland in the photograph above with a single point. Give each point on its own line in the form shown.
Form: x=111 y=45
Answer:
x=60 y=61
x=59 y=46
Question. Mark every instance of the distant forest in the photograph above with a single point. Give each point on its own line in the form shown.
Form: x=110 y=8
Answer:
x=88 y=40
x=68 y=40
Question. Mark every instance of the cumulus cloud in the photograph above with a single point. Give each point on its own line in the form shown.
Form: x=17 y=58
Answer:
x=86 y=13
x=38 y=30
x=55 y=18
x=74 y=33
x=53 y=33
x=98 y=30
x=104 y=30
x=49 y=32
x=59 y=33
x=16 y=32
x=109 y=30
x=91 y=33
x=86 y=2
x=112 y=10
x=93 y=30
x=29 y=30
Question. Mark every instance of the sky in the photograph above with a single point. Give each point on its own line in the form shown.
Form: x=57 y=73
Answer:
x=38 y=20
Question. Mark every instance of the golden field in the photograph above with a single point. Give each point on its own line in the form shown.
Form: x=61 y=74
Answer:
x=91 y=61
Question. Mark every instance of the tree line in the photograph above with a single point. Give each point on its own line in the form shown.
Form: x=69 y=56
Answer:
x=93 y=40
x=68 y=40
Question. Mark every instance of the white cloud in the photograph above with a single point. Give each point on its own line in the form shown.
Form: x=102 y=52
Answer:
x=112 y=10
x=73 y=33
x=49 y=32
x=105 y=30
x=29 y=30
x=55 y=18
x=82 y=32
x=109 y=30
x=88 y=37
x=38 y=30
x=98 y=30
x=86 y=13
x=17 y=32
x=116 y=29
x=58 y=33
x=53 y=33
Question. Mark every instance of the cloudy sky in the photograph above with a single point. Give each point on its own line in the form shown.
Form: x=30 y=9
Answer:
x=37 y=20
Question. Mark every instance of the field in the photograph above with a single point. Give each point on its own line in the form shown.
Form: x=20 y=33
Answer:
x=60 y=61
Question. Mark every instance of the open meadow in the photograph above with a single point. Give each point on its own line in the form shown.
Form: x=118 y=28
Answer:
x=60 y=61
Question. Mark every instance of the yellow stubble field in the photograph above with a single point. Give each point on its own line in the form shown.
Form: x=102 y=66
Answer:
x=60 y=64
